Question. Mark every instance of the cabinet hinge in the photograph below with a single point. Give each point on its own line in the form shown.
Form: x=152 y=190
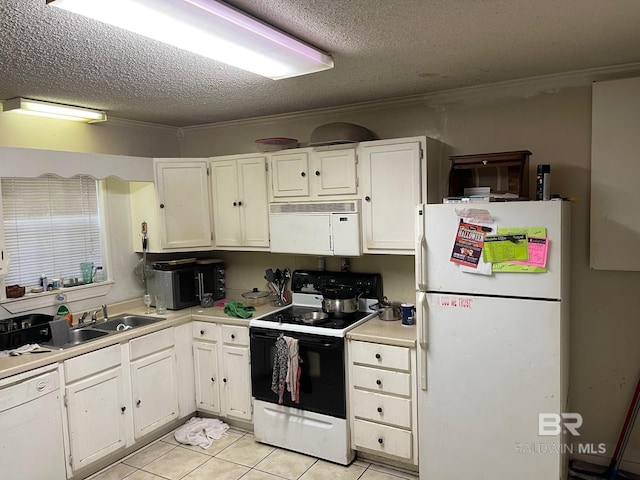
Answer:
x=66 y=401
x=421 y=154
x=207 y=171
x=70 y=461
x=266 y=167
x=212 y=236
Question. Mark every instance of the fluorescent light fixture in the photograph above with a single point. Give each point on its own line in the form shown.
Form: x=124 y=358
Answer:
x=52 y=110
x=209 y=28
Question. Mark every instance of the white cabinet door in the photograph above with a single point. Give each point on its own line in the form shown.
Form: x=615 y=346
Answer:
x=236 y=381
x=154 y=391
x=226 y=212
x=254 y=211
x=97 y=412
x=290 y=174
x=240 y=208
x=205 y=356
x=183 y=196
x=334 y=172
x=392 y=183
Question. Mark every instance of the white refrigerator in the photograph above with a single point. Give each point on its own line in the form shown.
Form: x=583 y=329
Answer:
x=492 y=350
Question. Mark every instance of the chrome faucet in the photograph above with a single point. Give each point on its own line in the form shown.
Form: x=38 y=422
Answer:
x=94 y=316
x=82 y=318
x=105 y=316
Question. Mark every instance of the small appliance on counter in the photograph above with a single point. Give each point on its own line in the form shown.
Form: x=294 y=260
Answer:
x=185 y=282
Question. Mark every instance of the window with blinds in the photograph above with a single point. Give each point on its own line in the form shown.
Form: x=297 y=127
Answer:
x=51 y=225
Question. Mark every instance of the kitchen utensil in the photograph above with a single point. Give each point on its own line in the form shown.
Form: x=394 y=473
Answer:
x=388 y=311
x=142 y=270
x=339 y=300
x=314 y=318
x=256 y=297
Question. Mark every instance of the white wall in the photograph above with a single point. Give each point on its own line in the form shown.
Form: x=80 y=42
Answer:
x=555 y=125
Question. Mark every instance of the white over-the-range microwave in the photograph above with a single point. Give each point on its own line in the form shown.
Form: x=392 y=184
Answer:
x=316 y=228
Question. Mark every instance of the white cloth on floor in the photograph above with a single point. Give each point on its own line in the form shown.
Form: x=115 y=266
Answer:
x=201 y=431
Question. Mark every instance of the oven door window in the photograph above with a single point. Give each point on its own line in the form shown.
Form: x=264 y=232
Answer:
x=322 y=378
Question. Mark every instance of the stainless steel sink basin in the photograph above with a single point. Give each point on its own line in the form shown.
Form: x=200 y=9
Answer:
x=79 y=336
x=125 y=322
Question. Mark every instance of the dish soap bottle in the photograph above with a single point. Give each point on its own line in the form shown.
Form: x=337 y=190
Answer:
x=63 y=310
x=99 y=275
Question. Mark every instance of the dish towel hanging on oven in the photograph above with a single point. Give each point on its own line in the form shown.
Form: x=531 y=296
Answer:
x=286 y=371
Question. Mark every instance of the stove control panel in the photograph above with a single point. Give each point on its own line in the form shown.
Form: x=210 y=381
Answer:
x=367 y=285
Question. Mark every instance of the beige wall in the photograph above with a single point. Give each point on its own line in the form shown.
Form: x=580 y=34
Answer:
x=554 y=124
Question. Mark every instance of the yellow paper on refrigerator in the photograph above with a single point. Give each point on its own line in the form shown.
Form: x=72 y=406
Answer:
x=502 y=248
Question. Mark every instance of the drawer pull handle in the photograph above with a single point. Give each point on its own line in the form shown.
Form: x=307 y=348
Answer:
x=379 y=409
x=380 y=441
x=378 y=382
x=378 y=356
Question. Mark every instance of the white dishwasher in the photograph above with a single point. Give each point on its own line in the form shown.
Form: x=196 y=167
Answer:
x=31 y=441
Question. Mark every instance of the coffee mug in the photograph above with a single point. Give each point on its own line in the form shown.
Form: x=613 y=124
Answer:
x=408 y=314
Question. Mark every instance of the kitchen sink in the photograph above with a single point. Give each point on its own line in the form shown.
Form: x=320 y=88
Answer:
x=81 y=335
x=125 y=322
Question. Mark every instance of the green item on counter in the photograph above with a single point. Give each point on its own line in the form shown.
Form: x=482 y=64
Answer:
x=236 y=309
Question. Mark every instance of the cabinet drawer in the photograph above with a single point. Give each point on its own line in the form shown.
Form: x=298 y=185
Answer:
x=386 y=356
x=381 y=408
x=384 y=381
x=154 y=342
x=382 y=439
x=92 y=363
x=206 y=331
x=235 y=335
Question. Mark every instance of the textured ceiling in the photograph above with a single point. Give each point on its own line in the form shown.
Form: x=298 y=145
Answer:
x=381 y=49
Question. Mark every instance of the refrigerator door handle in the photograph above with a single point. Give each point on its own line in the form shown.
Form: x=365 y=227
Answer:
x=423 y=336
x=421 y=283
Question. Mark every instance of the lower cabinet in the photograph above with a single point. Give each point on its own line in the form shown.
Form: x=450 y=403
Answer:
x=383 y=411
x=222 y=371
x=116 y=395
x=98 y=406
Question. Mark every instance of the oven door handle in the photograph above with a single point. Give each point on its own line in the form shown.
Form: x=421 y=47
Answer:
x=306 y=341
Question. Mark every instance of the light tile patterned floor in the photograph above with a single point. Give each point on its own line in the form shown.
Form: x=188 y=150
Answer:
x=234 y=457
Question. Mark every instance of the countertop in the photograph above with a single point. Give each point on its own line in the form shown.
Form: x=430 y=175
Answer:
x=14 y=365
x=386 y=332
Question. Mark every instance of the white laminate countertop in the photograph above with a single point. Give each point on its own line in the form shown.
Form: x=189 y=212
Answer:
x=14 y=365
x=386 y=332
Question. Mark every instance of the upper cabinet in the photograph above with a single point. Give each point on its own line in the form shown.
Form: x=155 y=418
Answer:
x=239 y=201
x=615 y=223
x=313 y=173
x=393 y=181
x=176 y=208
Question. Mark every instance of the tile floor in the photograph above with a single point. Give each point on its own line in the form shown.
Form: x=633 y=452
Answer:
x=236 y=456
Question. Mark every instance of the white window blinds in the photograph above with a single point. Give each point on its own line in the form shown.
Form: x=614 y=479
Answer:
x=51 y=225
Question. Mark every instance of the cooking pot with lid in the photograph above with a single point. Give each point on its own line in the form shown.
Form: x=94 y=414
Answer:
x=339 y=300
x=388 y=311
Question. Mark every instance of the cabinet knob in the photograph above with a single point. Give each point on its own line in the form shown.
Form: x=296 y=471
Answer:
x=367 y=198
x=213 y=379
x=239 y=204
x=162 y=205
x=380 y=440
x=122 y=409
x=138 y=403
x=378 y=382
x=201 y=332
x=378 y=356
x=317 y=173
x=379 y=409
x=233 y=336
x=224 y=380
x=235 y=204
x=302 y=174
